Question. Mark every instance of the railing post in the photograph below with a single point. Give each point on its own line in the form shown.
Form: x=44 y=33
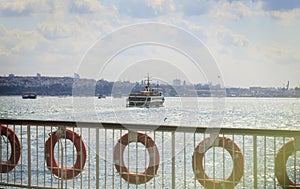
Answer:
x=29 y=155
x=173 y=160
x=255 y=161
x=0 y=155
x=97 y=158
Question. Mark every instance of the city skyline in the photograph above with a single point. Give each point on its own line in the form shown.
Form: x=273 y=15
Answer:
x=254 y=43
x=76 y=86
x=174 y=81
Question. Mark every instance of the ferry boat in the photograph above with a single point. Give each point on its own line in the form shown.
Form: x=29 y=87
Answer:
x=29 y=95
x=146 y=98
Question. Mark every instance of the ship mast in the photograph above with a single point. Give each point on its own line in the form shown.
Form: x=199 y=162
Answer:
x=148 y=83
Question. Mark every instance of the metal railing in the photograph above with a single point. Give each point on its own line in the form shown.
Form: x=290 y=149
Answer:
x=114 y=155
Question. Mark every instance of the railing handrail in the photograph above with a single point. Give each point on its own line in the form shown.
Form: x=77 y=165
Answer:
x=152 y=127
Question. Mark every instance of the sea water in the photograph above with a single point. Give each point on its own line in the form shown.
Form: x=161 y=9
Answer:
x=262 y=113
x=265 y=113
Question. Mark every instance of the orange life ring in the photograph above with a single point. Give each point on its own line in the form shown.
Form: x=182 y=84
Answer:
x=6 y=166
x=236 y=155
x=133 y=177
x=65 y=173
x=280 y=165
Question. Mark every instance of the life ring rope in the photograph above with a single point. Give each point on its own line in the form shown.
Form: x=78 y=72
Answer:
x=136 y=177
x=13 y=140
x=65 y=173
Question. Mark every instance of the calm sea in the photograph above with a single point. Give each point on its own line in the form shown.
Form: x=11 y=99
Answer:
x=275 y=113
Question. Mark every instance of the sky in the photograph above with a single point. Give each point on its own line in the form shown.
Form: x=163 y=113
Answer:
x=250 y=43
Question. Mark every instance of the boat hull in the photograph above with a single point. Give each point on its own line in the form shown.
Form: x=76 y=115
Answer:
x=29 y=96
x=145 y=102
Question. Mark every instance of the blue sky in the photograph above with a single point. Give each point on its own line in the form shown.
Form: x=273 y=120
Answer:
x=253 y=42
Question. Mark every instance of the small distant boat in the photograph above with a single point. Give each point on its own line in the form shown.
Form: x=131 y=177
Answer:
x=146 y=98
x=101 y=96
x=29 y=95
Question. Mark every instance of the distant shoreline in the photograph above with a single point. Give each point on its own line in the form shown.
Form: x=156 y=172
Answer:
x=68 y=86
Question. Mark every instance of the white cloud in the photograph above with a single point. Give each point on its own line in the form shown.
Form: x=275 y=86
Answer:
x=56 y=30
x=285 y=17
x=24 y=8
x=15 y=8
x=86 y=6
x=225 y=37
x=281 y=54
x=235 y=10
x=142 y=9
x=161 y=6
x=18 y=41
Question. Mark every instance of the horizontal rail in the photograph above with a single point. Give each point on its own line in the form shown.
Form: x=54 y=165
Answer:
x=149 y=127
